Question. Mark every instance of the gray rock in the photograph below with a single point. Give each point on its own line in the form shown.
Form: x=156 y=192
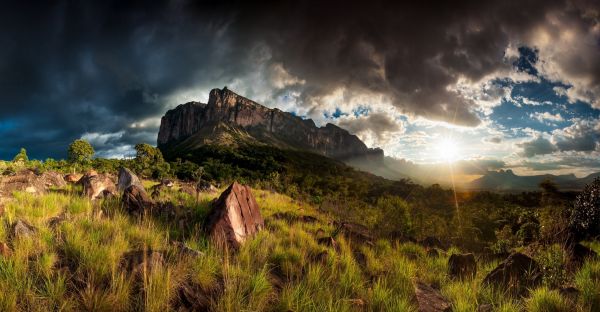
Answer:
x=96 y=186
x=126 y=179
x=22 y=228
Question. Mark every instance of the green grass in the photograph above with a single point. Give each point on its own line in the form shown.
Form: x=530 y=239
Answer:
x=77 y=265
x=546 y=300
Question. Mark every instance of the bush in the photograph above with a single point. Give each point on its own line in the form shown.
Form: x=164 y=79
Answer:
x=552 y=261
x=585 y=218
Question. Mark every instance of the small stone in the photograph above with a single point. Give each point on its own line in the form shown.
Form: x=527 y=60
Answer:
x=22 y=228
x=430 y=300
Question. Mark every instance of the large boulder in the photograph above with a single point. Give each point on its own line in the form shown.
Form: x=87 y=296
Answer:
x=430 y=300
x=136 y=201
x=126 y=179
x=462 y=266
x=516 y=274
x=97 y=186
x=53 y=179
x=31 y=182
x=234 y=217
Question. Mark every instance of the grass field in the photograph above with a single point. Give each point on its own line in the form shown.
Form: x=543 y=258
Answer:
x=77 y=264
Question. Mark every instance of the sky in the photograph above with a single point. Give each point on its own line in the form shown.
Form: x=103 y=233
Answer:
x=500 y=85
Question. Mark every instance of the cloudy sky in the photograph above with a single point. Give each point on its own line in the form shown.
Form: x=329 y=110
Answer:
x=508 y=84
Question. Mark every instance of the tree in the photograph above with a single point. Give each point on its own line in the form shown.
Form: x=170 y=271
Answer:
x=150 y=161
x=148 y=154
x=585 y=218
x=80 y=151
x=21 y=157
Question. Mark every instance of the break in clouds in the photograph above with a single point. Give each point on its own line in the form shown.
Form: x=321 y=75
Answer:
x=107 y=71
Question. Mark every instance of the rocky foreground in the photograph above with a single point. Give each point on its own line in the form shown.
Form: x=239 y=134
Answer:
x=247 y=260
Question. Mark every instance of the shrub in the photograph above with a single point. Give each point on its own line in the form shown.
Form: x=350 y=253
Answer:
x=21 y=157
x=552 y=261
x=585 y=218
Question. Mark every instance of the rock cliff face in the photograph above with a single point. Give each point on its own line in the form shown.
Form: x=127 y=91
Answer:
x=228 y=114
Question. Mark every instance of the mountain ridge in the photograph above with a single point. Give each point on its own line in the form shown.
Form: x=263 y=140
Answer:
x=506 y=180
x=228 y=119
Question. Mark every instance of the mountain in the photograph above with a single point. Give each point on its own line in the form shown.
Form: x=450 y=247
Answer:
x=506 y=180
x=230 y=119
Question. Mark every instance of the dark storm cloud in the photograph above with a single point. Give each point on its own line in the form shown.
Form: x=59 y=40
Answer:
x=378 y=123
x=70 y=68
x=537 y=146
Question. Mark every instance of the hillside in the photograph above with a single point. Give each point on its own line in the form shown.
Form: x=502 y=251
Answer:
x=65 y=252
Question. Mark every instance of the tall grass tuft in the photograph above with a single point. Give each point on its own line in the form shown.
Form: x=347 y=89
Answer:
x=546 y=300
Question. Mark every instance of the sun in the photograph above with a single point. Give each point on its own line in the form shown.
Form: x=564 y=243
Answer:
x=448 y=149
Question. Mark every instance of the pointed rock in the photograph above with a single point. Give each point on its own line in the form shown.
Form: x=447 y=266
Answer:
x=516 y=274
x=235 y=216
x=126 y=179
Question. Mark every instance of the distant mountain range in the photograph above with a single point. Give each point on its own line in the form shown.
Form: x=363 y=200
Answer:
x=506 y=180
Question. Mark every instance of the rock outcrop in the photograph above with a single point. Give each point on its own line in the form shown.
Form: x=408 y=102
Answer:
x=30 y=182
x=516 y=274
x=126 y=179
x=194 y=124
x=97 y=186
x=234 y=217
